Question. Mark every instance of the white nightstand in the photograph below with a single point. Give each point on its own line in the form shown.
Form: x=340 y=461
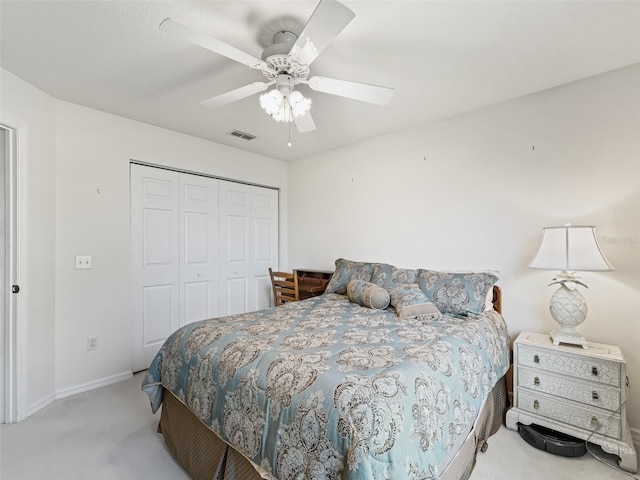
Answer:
x=573 y=391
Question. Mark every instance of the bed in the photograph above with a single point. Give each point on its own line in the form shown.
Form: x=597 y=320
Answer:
x=340 y=386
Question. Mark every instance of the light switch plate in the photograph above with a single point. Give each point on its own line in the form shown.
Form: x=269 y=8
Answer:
x=83 y=262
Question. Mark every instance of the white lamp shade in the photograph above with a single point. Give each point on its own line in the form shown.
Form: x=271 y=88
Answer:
x=570 y=249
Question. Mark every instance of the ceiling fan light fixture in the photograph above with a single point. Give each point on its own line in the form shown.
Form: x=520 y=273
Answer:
x=282 y=107
x=271 y=101
x=299 y=104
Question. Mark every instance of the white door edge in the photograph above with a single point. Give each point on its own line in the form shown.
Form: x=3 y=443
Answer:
x=12 y=353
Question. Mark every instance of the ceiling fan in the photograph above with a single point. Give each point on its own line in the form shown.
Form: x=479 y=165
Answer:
x=285 y=64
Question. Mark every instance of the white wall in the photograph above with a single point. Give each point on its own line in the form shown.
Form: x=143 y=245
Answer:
x=74 y=200
x=475 y=190
x=32 y=112
x=92 y=218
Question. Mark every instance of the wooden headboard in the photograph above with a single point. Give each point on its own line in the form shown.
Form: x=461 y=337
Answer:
x=497 y=299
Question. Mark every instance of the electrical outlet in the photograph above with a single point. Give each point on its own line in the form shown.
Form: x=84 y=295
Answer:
x=83 y=262
x=92 y=343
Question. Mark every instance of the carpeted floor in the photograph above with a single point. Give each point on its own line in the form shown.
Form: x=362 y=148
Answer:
x=110 y=434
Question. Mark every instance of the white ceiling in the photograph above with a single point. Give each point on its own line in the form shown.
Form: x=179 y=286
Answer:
x=442 y=58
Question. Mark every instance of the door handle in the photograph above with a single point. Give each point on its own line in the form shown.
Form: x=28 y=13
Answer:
x=15 y=289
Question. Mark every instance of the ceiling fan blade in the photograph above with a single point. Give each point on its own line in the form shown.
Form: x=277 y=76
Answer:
x=327 y=21
x=210 y=43
x=357 y=91
x=305 y=123
x=237 y=94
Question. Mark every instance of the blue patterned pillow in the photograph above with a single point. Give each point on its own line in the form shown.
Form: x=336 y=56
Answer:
x=389 y=277
x=346 y=270
x=457 y=293
x=409 y=301
x=367 y=294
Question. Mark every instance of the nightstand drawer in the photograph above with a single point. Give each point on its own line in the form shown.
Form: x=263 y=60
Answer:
x=578 y=366
x=589 y=393
x=581 y=417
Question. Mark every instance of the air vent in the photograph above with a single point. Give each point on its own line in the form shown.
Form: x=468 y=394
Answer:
x=241 y=134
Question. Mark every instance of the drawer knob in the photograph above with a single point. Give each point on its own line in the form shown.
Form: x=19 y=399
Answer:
x=594 y=422
x=536 y=359
x=594 y=371
x=595 y=396
x=536 y=381
x=536 y=405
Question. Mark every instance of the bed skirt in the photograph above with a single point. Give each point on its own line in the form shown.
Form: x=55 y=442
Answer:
x=205 y=457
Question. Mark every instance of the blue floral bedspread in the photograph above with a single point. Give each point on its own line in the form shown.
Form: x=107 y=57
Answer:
x=327 y=389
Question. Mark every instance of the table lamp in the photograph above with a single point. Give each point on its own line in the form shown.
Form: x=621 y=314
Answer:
x=569 y=249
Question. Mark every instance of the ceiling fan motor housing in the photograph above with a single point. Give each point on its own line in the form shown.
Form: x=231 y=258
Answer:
x=277 y=58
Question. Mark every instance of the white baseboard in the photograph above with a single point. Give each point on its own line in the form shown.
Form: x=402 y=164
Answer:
x=85 y=387
x=37 y=406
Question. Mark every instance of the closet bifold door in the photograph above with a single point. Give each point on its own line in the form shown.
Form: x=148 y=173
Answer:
x=248 y=246
x=155 y=259
x=200 y=248
x=174 y=238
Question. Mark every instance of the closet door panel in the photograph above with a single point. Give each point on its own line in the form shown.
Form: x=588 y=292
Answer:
x=196 y=233
x=158 y=321
x=235 y=240
x=197 y=304
x=155 y=260
x=263 y=294
x=265 y=243
x=158 y=225
x=249 y=246
x=198 y=248
x=237 y=296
